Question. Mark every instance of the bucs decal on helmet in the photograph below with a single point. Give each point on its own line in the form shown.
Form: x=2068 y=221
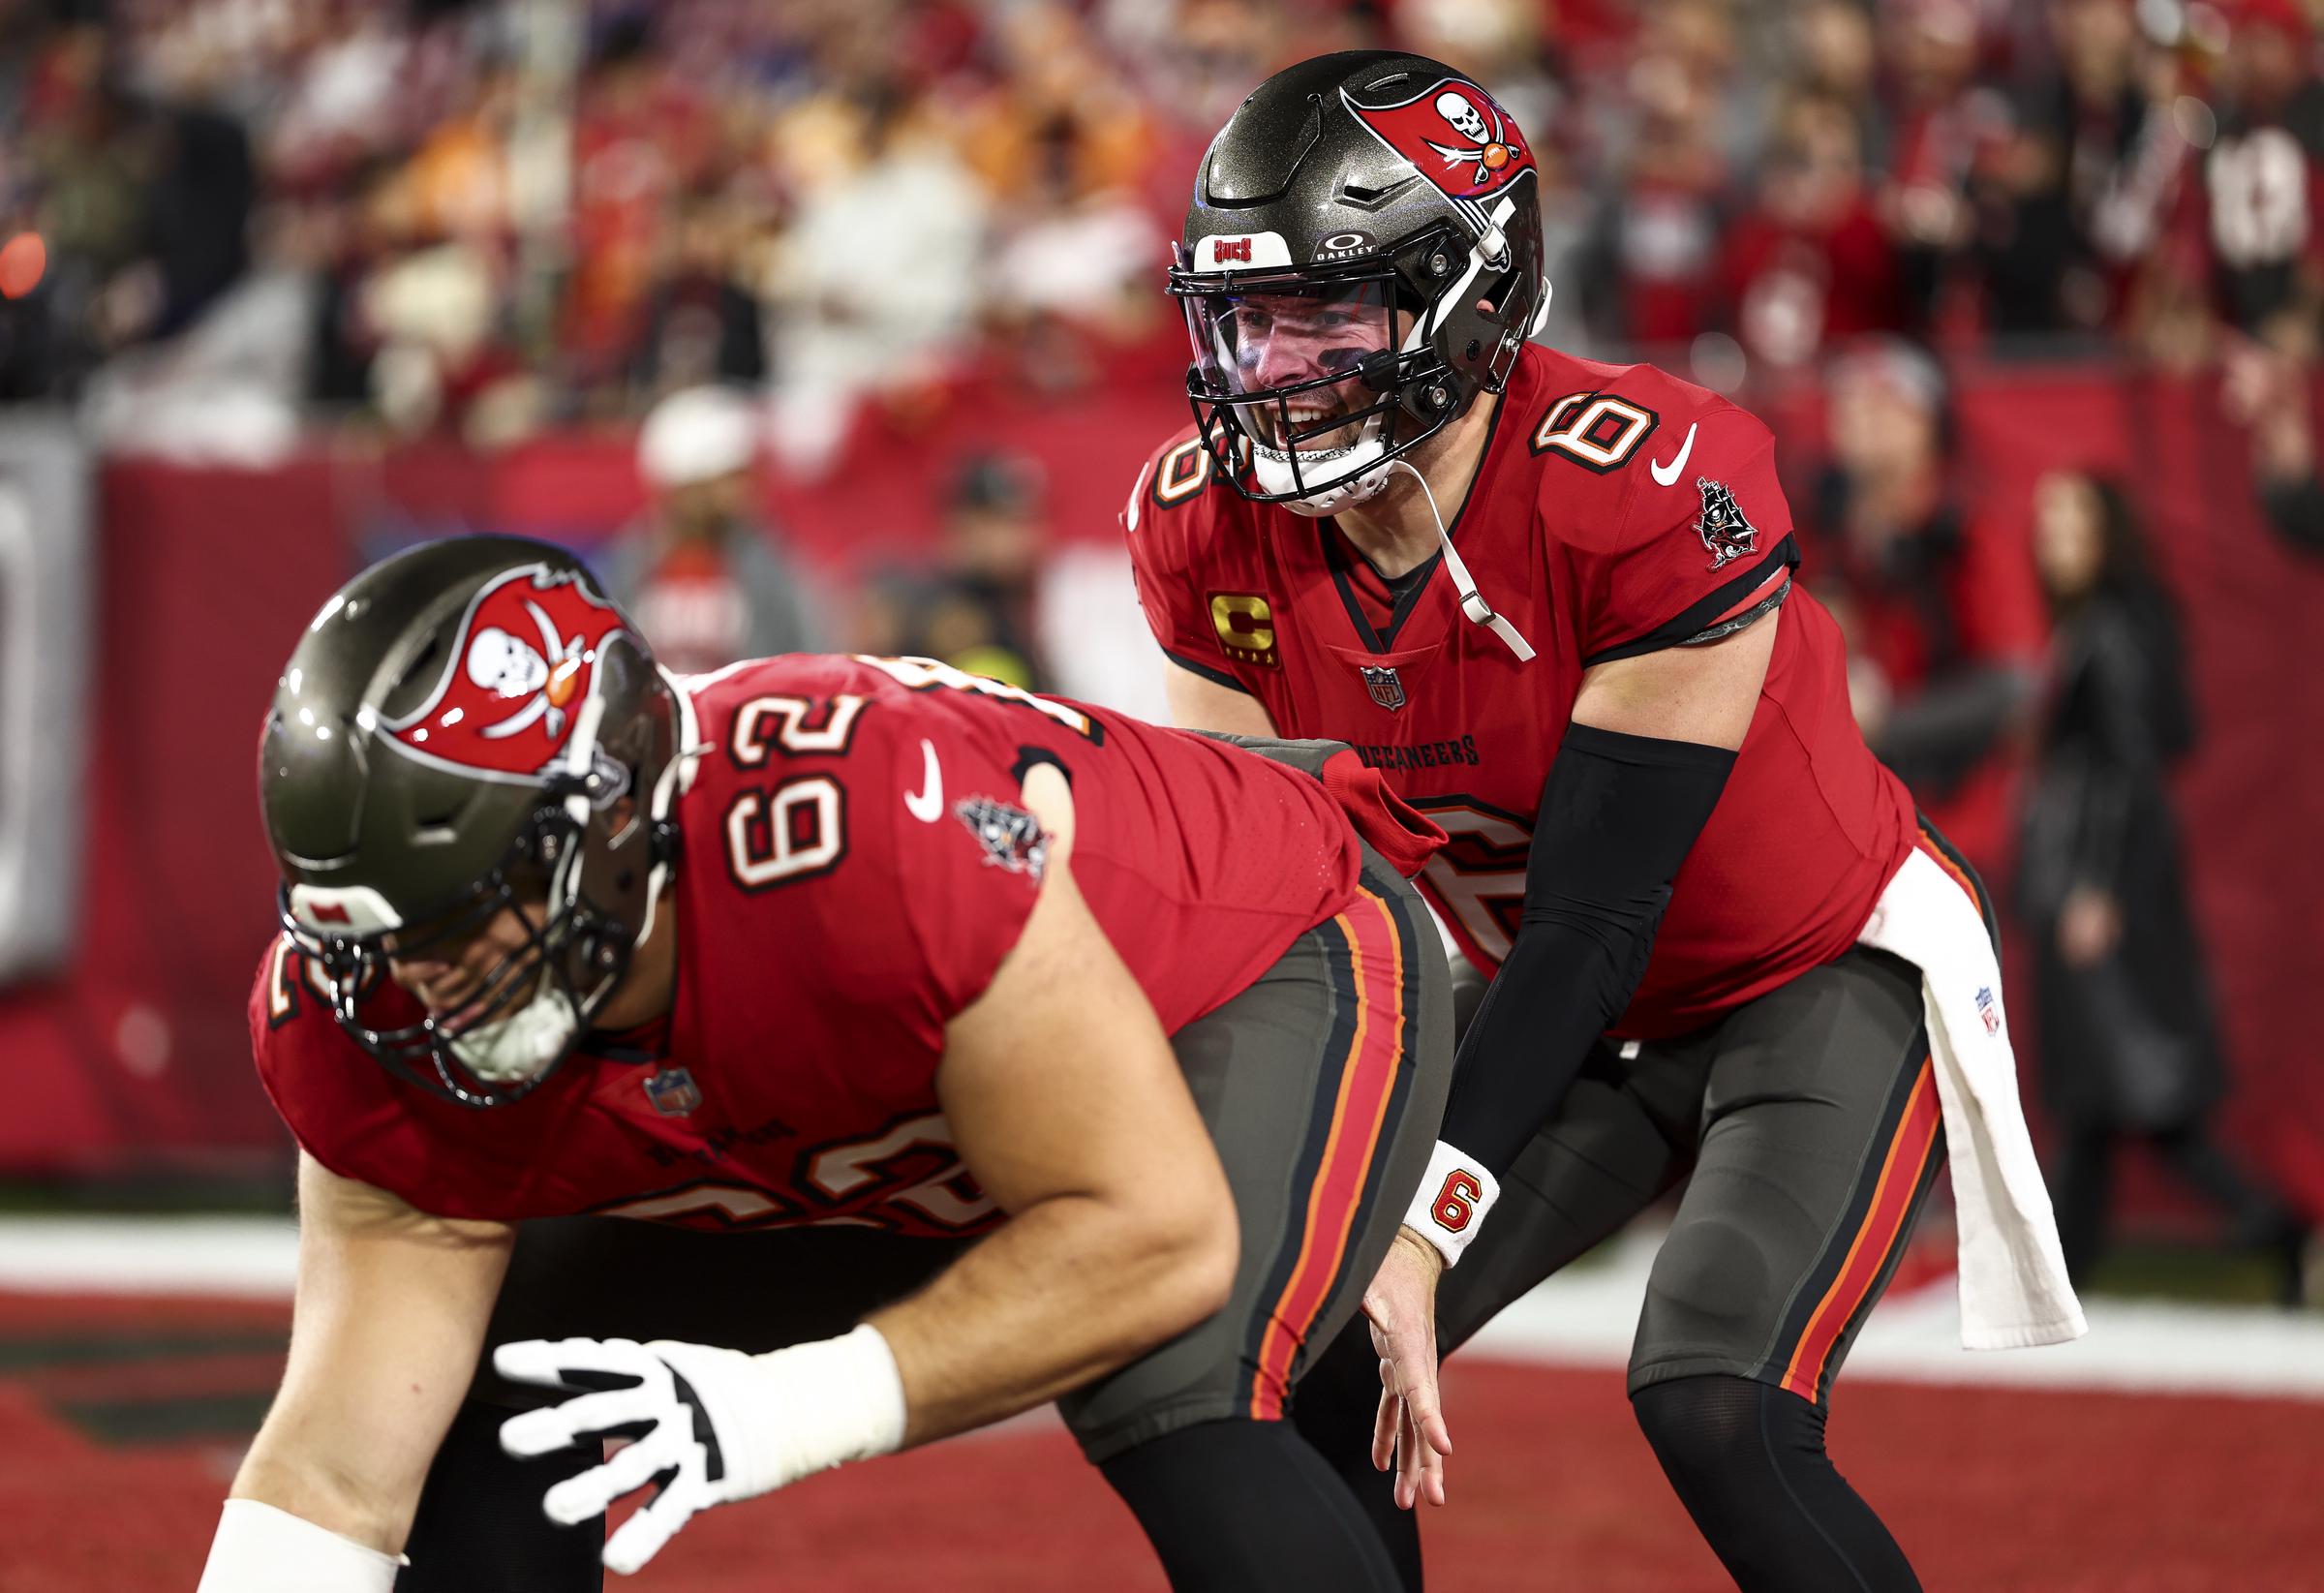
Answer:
x=1455 y=135
x=521 y=666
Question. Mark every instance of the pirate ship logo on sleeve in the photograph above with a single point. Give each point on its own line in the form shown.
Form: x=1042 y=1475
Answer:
x=1722 y=527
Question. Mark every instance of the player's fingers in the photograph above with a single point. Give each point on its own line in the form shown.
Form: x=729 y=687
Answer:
x=1413 y=1356
x=1432 y=1472
x=554 y=1361
x=642 y=1535
x=1424 y=1405
x=588 y=1417
x=1384 y=1429
x=592 y=1491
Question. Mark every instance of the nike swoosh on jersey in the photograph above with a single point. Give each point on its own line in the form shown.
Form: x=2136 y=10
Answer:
x=927 y=804
x=1667 y=474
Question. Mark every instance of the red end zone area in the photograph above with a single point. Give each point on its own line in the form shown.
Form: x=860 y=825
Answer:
x=121 y=1419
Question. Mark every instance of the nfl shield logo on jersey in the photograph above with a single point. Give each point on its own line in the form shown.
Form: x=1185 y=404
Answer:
x=1722 y=529
x=1384 y=683
x=673 y=1092
x=1989 y=1010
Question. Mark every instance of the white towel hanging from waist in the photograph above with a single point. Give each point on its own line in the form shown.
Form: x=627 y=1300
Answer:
x=2013 y=1286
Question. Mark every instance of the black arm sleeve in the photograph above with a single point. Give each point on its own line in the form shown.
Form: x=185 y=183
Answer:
x=1619 y=814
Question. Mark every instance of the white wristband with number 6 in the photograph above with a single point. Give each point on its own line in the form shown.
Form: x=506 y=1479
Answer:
x=1450 y=1205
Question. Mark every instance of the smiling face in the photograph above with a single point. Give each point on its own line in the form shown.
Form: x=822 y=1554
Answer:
x=1260 y=342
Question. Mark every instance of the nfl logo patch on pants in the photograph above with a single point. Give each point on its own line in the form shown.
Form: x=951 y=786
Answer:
x=1384 y=683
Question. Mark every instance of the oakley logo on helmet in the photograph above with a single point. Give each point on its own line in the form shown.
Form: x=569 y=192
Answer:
x=1343 y=246
x=521 y=665
x=1455 y=135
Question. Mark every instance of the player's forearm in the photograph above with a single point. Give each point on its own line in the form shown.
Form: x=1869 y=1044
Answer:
x=310 y=1512
x=1557 y=992
x=1619 y=813
x=1068 y=1290
x=350 y=1436
x=392 y=1305
x=326 y=1484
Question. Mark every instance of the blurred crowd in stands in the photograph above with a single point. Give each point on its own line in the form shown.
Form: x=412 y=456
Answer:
x=494 y=215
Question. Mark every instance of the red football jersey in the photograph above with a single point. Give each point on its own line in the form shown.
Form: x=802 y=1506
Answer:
x=856 y=866
x=1617 y=510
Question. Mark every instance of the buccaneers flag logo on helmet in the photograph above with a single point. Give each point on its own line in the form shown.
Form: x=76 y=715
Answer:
x=520 y=669
x=1455 y=135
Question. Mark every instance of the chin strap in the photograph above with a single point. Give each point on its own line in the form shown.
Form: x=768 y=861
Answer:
x=1472 y=601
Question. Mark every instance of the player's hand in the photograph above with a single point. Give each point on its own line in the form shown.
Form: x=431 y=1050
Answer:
x=1410 y=1432
x=623 y=1390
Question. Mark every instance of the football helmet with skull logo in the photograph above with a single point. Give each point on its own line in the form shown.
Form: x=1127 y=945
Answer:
x=1361 y=259
x=467 y=730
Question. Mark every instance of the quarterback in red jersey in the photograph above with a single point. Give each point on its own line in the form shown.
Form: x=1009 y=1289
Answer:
x=1551 y=600
x=974 y=1050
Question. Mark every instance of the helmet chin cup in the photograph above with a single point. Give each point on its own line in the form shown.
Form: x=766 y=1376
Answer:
x=1365 y=464
x=524 y=1045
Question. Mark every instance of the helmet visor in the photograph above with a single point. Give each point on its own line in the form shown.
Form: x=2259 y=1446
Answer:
x=1314 y=348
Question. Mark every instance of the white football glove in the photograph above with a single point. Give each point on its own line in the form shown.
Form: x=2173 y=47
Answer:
x=711 y=1425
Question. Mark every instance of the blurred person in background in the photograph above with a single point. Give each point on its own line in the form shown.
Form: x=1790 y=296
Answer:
x=2271 y=394
x=703 y=322
x=1937 y=601
x=143 y=183
x=2129 y=1042
x=1061 y=143
x=641 y=133
x=877 y=278
x=2106 y=115
x=707 y=581
x=1659 y=255
x=974 y=604
x=73 y=174
x=981 y=614
x=1931 y=49
x=2257 y=212
x=1834 y=50
x=1808 y=266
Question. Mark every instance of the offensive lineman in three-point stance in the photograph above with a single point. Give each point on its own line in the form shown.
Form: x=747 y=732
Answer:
x=974 y=1050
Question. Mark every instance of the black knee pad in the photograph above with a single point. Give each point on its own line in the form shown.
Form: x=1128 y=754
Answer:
x=1705 y=1431
x=1334 y=1407
x=1748 y=1461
